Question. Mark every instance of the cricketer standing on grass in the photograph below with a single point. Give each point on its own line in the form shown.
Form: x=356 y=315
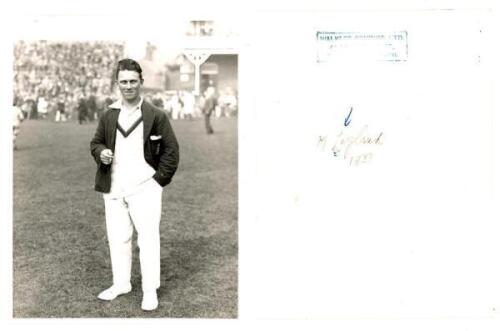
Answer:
x=137 y=154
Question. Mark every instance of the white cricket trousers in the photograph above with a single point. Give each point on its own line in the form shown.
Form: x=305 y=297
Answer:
x=141 y=210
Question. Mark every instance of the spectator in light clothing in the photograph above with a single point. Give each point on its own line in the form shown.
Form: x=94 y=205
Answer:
x=176 y=107
x=189 y=103
x=17 y=118
x=43 y=107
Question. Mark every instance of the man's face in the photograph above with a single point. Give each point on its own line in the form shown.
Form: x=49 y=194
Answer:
x=129 y=83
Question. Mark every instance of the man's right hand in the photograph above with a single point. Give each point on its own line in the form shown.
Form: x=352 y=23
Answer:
x=106 y=156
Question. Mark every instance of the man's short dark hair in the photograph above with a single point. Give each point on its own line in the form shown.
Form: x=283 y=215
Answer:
x=128 y=64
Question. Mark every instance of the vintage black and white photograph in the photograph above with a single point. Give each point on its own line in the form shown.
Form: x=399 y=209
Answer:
x=125 y=173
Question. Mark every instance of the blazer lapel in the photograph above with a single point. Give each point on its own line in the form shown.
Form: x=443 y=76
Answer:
x=148 y=119
x=113 y=120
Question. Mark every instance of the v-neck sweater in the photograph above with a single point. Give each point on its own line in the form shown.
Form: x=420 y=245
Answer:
x=129 y=169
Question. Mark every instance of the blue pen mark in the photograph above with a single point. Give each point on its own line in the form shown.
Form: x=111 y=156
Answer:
x=347 y=120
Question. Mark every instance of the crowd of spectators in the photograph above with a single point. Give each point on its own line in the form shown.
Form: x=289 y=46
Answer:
x=185 y=105
x=66 y=80
x=48 y=73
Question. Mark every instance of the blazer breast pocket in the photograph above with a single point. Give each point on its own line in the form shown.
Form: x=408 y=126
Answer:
x=155 y=145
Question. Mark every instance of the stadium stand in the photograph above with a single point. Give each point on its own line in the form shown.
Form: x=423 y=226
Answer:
x=70 y=71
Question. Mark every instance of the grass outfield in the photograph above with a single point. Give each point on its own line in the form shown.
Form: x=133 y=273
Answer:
x=61 y=256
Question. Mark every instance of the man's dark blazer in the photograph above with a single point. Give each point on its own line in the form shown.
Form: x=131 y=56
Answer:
x=162 y=154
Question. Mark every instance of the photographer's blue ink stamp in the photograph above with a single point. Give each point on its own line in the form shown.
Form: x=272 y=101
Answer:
x=361 y=46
